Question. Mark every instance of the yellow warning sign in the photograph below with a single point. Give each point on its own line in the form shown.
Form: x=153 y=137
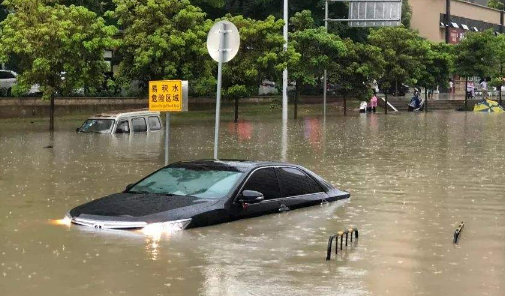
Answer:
x=166 y=95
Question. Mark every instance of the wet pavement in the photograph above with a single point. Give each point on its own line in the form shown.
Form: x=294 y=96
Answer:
x=413 y=179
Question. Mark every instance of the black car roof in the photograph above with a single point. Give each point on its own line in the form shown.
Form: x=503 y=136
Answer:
x=239 y=164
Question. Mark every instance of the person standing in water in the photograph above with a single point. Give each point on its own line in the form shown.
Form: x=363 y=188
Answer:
x=373 y=102
x=483 y=86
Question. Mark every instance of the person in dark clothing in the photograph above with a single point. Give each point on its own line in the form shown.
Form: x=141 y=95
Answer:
x=415 y=103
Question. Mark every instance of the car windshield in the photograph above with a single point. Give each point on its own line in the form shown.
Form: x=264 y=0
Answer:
x=97 y=126
x=202 y=182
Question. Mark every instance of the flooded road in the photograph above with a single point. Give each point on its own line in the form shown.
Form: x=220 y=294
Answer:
x=413 y=178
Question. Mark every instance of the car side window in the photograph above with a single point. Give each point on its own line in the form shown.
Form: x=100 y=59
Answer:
x=295 y=182
x=4 y=75
x=123 y=127
x=154 y=123
x=264 y=181
x=139 y=125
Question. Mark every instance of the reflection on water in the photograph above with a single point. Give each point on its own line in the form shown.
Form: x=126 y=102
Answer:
x=413 y=178
x=242 y=129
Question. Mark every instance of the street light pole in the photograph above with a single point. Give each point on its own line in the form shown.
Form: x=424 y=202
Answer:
x=325 y=71
x=285 y=72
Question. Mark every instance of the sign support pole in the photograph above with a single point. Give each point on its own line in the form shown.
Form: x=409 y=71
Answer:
x=218 y=92
x=167 y=136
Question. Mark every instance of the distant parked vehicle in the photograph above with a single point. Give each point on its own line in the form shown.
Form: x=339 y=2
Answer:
x=121 y=123
x=8 y=79
x=403 y=89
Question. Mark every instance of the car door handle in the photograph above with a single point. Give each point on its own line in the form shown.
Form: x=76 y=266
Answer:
x=283 y=208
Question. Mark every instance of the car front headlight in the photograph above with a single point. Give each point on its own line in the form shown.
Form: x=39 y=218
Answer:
x=166 y=227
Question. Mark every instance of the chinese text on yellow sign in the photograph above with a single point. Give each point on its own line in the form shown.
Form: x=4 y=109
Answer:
x=165 y=95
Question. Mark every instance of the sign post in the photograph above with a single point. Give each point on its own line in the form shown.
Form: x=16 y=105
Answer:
x=168 y=96
x=365 y=13
x=223 y=43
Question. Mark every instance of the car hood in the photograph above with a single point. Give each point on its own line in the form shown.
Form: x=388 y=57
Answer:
x=133 y=206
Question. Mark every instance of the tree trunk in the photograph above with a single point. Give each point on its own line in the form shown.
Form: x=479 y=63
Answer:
x=345 y=105
x=500 y=94
x=236 y=110
x=396 y=88
x=386 y=104
x=426 y=99
x=501 y=65
x=297 y=93
x=51 y=114
x=466 y=94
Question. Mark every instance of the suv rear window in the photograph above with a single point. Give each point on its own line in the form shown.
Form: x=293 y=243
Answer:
x=139 y=125
x=154 y=123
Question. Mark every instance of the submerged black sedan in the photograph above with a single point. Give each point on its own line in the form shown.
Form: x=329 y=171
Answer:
x=191 y=194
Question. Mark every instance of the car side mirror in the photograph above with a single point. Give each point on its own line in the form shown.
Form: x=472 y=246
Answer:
x=128 y=187
x=251 y=197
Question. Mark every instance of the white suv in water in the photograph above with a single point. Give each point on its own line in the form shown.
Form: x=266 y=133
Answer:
x=8 y=79
x=123 y=123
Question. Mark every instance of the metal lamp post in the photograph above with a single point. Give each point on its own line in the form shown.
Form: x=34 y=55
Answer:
x=285 y=72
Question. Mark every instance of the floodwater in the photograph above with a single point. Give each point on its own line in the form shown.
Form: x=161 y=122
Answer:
x=413 y=179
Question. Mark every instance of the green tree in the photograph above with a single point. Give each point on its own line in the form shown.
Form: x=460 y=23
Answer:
x=260 y=57
x=261 y=9
x=162 y=39
x=439 y=64
x=3 y=11
x=318 y=50
x=406 y=14
x=355 y=72
x=404 y=52
x=498 y=73
x=97 y=6
x=496 y=4
x=59 y=47
x=475 y=56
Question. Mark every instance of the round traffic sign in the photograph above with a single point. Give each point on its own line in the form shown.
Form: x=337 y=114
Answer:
x=223 y=37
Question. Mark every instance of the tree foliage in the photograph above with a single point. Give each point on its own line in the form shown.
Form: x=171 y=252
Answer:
x=97 y=6
x=404 y=52
x=260 y=57
x=406 y=14
x=162 y=39
x=59 y=47
x=439 y=64
x=362 y=65
x=498 y=73
x=496 y=4
x=318 y=50
x=475 y=54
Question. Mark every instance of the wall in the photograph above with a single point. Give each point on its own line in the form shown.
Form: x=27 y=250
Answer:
x=35 y=107
x=474 y=11
x=426 y=16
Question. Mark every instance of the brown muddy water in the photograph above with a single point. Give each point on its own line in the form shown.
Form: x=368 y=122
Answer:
x=413 y=178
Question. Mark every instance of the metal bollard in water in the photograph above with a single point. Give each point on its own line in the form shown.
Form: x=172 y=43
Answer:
x=458 y=232
x=341 y=235
x=355 y=230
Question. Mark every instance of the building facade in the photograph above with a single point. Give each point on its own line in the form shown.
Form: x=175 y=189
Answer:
x=449 y=20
